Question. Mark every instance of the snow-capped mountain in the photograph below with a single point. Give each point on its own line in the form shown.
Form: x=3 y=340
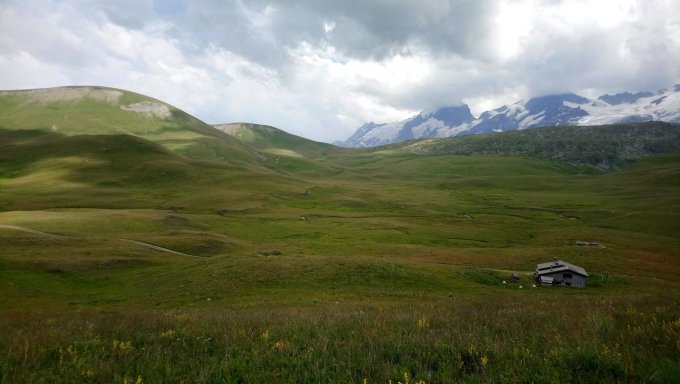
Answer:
x=441 y=122
x=566 y=109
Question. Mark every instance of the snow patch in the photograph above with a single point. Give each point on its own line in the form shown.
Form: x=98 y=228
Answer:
x=666 y=109
x=427 y=128
x=531 y=120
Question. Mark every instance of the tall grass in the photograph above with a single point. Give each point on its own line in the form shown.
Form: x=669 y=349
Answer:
x=493 y=339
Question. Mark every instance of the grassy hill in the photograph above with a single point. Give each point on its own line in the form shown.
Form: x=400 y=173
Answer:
x=154 y=251
x=283 y=152
x=275 y=141
x=105 y=111
x=43 y=170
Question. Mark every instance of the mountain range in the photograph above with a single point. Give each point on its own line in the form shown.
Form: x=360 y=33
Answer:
x=544 y=111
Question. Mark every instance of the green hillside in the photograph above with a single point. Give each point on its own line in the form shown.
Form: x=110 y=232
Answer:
x=282 y=152
x=43 y=170
x=604 y=147
x=275 y=141
x=159 y=249
x=105 y=111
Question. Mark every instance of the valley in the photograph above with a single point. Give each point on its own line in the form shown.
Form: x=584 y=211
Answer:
x=294 y=260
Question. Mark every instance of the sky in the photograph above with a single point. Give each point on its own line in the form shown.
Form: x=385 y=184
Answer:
x=321 y=68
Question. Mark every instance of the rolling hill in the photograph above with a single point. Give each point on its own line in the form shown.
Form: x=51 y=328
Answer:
x=105 y=111
x=282 y=152
x=275 y=141
x=104 y=147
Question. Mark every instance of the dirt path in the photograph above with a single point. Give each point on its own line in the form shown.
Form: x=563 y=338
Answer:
x=137 y=242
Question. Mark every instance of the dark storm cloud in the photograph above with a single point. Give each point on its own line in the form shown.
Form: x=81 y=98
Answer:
x=377 y=29
x=263 y=31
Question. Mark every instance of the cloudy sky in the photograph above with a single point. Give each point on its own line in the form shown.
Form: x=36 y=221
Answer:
x=321 y=68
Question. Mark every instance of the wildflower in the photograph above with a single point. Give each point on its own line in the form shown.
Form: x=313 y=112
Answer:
x=422 y=322
x=122 y=346
x=88 y=374
x=459 y=361
x=168 y=333
x=139 y=380
x=676 y=323
x=69 y=354
x=484 y=361
x=265 y=335
x=279 y=345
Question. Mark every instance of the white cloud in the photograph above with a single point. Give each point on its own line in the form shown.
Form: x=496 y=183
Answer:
x=19 y=68
x=320 y=69
x=514 y=22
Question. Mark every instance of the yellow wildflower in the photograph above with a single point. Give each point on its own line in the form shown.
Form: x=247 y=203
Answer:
x=168 y=333
x=676 y=323
x=122 y=346
x=89 y=373
x=69 y=354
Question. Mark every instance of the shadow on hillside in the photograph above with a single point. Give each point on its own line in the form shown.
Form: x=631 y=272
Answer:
x=92 y=159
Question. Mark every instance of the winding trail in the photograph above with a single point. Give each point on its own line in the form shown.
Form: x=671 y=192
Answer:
x=136 y=242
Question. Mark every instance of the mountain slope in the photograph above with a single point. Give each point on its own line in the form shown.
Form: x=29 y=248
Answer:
x=283 y=152
x=437 y=123
x=553 y=110
x=604 y=147
x=47 y=170
x=275 y=141
x=106 y=111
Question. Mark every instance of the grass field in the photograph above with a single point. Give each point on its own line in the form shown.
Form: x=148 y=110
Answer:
x=327 y=265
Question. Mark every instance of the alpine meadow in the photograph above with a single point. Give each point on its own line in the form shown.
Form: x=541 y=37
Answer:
x=139 y=244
